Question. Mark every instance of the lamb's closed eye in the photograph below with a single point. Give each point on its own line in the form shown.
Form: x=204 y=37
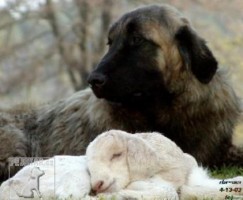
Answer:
x=116 y=155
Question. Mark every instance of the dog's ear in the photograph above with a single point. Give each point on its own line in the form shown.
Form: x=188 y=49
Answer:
x=196 y=54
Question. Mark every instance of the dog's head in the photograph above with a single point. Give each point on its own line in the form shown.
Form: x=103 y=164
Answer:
x=151 y=50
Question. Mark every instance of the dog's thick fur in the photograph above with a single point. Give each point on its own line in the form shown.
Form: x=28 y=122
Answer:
x=158 y=75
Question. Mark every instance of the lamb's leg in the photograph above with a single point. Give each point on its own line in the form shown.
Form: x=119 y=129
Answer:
x=150 y=189
x=12 y=144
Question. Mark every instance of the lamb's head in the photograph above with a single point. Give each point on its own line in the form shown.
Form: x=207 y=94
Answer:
x=107 y=162
x=115 y=158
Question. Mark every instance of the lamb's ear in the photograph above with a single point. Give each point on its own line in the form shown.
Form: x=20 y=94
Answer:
x=196 y=54
x=141 y=157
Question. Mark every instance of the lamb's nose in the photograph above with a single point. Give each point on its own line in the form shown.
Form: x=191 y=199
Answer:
x=97 y=187
x=97 y=80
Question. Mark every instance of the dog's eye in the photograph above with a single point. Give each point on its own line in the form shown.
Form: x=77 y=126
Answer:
x=116 y=155
x=137 y=40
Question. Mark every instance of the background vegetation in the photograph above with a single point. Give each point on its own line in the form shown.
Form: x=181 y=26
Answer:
x=48 y=47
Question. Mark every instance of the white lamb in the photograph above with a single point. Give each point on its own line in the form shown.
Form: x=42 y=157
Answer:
x=149 y=166
x=140 y=166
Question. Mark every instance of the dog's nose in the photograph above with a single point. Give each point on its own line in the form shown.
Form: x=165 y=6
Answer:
x=97 y=187
x=97 y=80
